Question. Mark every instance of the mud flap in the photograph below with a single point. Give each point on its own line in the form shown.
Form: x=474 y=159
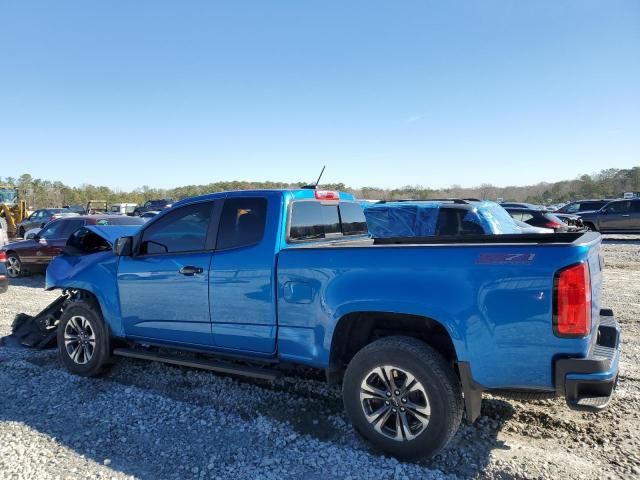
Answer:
x=39 y=331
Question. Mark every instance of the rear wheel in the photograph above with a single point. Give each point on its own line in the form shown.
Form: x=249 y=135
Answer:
x=14 y=265
x=403 y=397
x=83 y=339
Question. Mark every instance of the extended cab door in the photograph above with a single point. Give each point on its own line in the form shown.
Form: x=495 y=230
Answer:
x=164 y=287
x=242 y=281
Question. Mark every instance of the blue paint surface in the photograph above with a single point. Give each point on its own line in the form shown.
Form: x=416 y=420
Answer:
x=275 y=299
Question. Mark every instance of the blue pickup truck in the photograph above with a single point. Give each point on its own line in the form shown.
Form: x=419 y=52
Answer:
x=414 y=329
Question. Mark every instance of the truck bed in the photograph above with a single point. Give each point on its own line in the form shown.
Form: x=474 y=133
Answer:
x=493 y=295
x=574 y=238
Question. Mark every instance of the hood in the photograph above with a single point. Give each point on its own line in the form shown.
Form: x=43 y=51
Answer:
x=112 y=232
x=19 y=244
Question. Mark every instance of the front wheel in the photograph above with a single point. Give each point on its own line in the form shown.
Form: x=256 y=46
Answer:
x=403 y=397
x=83 y=339
x=14 y=265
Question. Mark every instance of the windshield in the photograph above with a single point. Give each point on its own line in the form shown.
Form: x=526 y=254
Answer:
x=8 y=195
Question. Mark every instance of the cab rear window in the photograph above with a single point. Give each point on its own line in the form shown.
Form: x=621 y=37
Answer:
x=315 y=220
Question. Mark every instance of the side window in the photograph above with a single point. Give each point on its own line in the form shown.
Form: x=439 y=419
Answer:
x=574 y=207
x=53 y=230
x=526 y=217
x=619 y=207
x=71 y=226
x=516 y=215
x=450 y=221
x=242 y=222
x=352 y=219
x=183 y=230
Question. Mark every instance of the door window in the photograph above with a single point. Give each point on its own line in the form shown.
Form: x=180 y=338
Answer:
x=55 y=229
x=71 y=226
x=619 y=207
x=182 y=230
x=242 y=222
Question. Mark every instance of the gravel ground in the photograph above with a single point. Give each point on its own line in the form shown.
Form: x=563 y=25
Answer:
x=151 y=421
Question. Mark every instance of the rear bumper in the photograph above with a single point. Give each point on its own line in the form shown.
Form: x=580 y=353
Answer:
x=588 y=383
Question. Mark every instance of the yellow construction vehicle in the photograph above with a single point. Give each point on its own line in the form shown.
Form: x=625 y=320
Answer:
x=12 y=209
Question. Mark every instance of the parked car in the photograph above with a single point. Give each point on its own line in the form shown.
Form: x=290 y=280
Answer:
x=529 y=206
x=154 y=205
x=4 y=275
x=35 y=253
x=40 y=218
x=122 y=208
x=538 y=218
x=583 y=206
x=414 y=329
x=573 y=222
x=79 y=209
x=146 y=216
x=423 y=218
x=618 y=216
x=526 y=228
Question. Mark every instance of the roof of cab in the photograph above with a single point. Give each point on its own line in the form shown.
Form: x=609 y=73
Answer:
x=293 y=194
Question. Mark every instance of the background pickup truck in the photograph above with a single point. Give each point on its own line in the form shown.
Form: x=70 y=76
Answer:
x=413 y=328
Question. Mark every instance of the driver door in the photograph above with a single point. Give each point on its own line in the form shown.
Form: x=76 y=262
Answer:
x=164 y=287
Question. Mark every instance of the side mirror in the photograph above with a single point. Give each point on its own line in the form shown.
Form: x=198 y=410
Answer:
x=123 y=247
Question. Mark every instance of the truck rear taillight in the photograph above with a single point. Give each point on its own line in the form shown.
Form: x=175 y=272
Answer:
x=572 y=301
x=3 y=256
x=553 y=225
x=327 y=195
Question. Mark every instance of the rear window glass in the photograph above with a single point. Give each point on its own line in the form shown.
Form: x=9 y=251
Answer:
x=353 y=219
x=312 y=219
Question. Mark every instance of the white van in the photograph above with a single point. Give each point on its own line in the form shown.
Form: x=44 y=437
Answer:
x=122 y=208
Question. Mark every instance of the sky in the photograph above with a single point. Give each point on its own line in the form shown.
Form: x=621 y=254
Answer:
x=383 y=93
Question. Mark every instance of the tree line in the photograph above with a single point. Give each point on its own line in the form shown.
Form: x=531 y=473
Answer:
x=608 y=183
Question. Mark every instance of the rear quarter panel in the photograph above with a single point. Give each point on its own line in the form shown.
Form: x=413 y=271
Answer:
x=495 y=301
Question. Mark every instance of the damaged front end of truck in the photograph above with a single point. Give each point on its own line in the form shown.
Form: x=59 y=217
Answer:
x=87 y=256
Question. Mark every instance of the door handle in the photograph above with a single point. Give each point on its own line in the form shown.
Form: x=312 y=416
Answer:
x=190 y=270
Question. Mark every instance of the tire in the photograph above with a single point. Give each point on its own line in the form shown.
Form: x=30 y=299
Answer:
x=84 y=344
x=436 y=393
x=14 y=265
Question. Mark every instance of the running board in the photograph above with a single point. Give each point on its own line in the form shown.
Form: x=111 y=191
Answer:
x=222 y=367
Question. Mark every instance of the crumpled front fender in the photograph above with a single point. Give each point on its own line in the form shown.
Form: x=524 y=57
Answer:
x=95 y=273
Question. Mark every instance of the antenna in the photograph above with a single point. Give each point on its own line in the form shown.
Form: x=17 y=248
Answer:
x=315 y=186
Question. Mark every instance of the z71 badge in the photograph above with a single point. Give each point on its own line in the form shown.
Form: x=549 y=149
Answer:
x=505 y=258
